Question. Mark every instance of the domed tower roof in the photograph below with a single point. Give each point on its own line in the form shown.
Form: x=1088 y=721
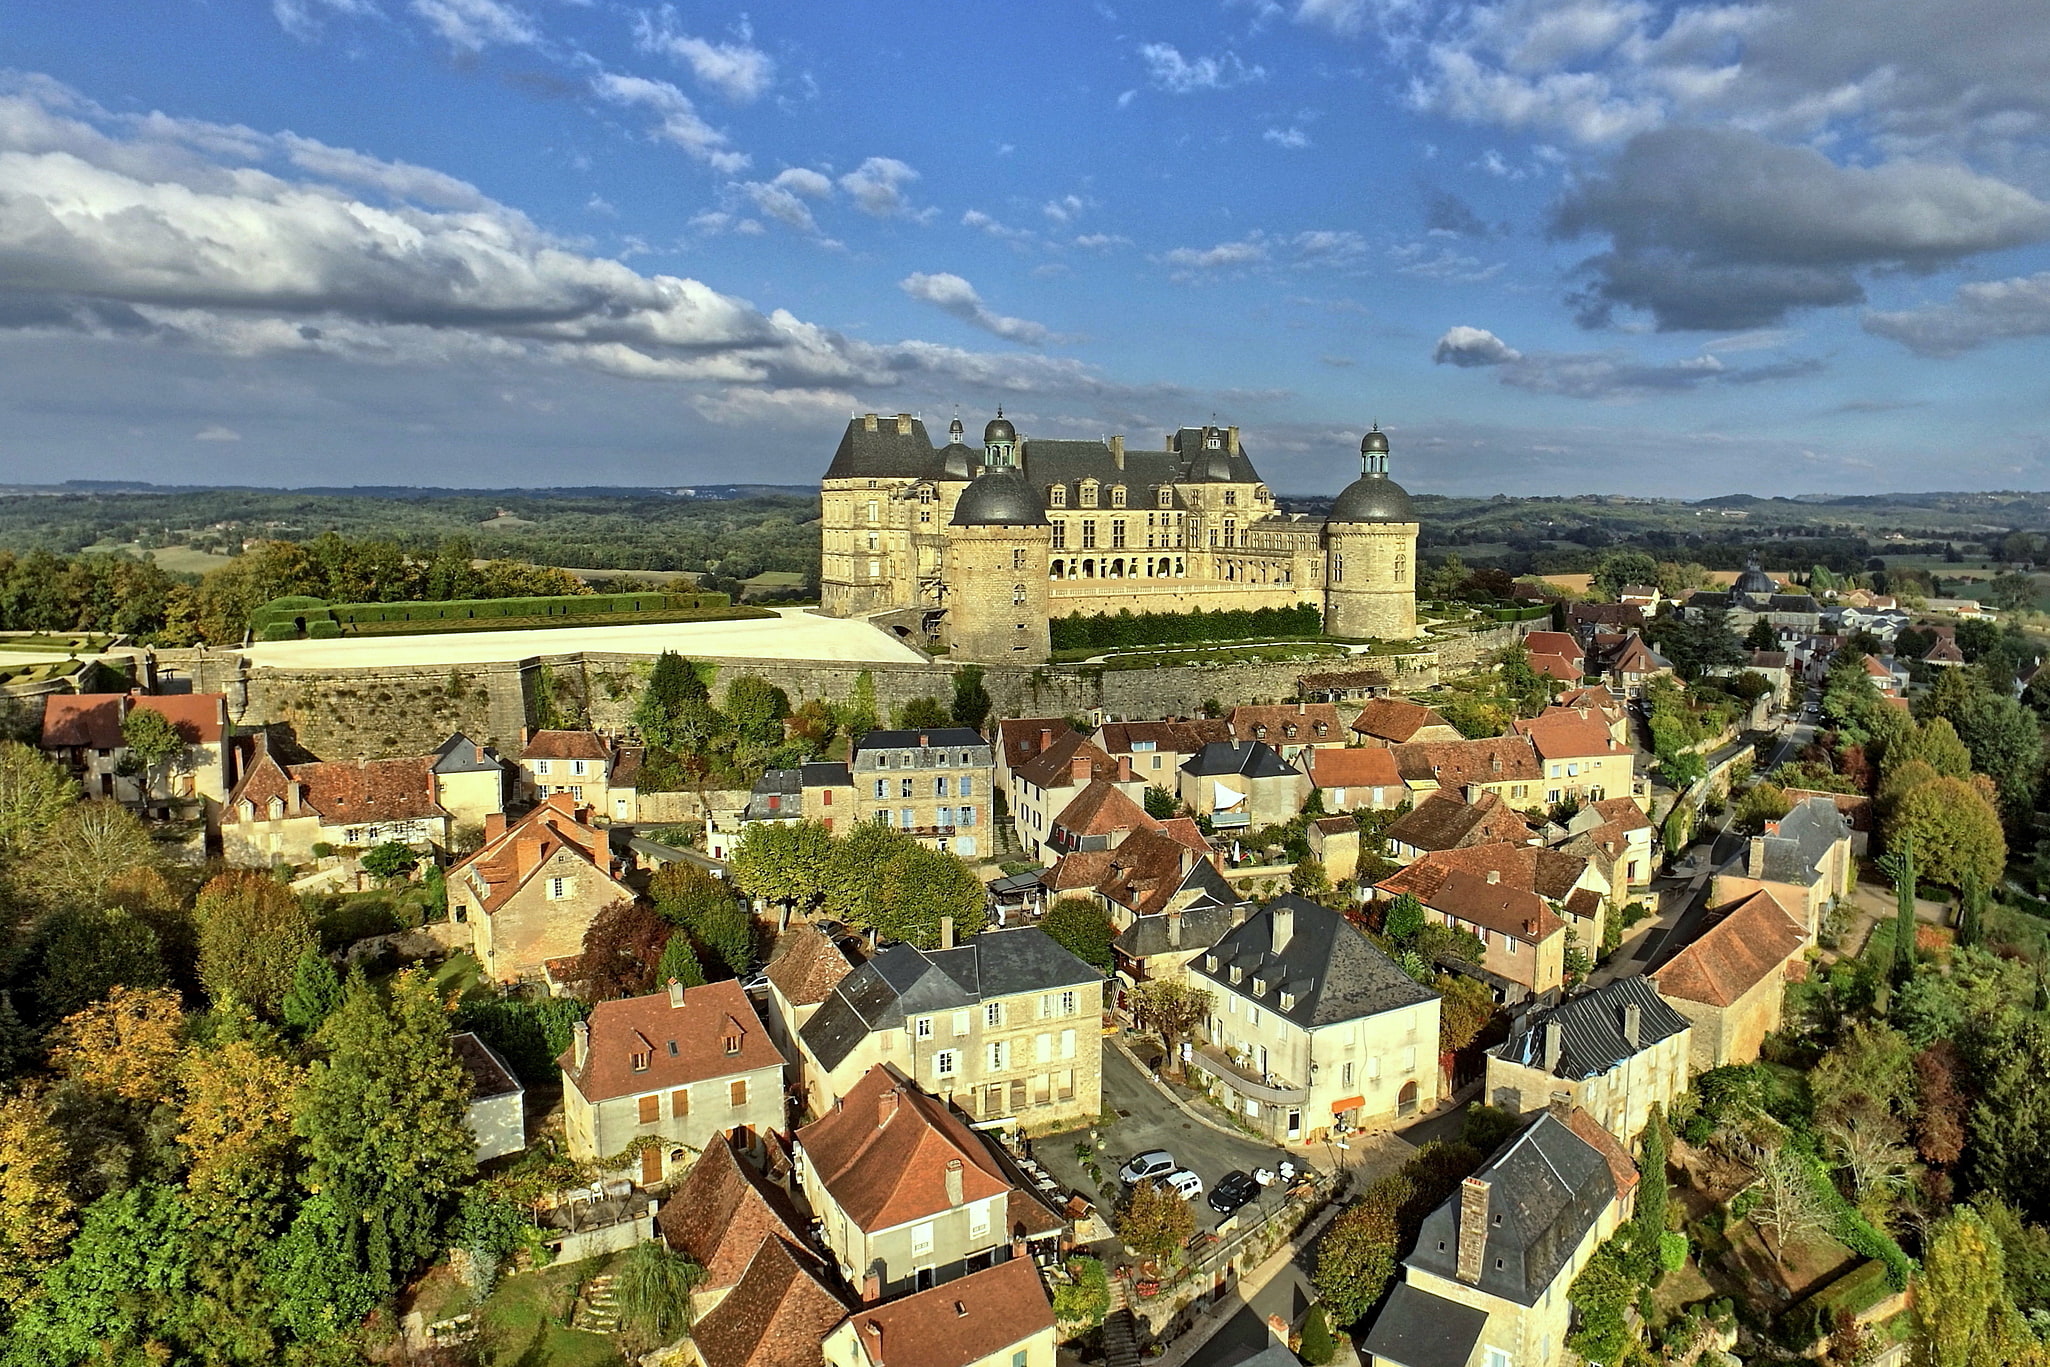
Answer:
x=1373 y=497
x=1000 y=498
x=1756 y=580
x=958 y=461
x=999 y=429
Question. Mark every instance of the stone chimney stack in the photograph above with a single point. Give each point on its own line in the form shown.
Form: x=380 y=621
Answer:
x=903 y=424
x=1473 y=1229
x=1555 y=1045
x=1117 y=450
x=1124 y=768
x=582 y=1037
x=1174 y=929
x=1633 y=1024
x=1231 y=440
x=1045 y=738
x=868 y=422
x=953 y=1181
x=1079 y=770
x=946 y=932
x=886 y=1106
x=1754 y=858
x=675 y=994
x=1284 y=926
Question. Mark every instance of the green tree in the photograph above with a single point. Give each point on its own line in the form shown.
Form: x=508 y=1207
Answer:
x=1308 y=878
x=972 y=702
x=1961 y=1305
x=1079 y=926
x=1900 y=867
x=1403 y=921
x=653 y=1287
x=382 y=1114
x=1955 y=833
x=81 y=955
x=2012 y=1118
x=1156 y=1222
x=1161 y=804
x=924 y=714
x=315 y=992
x=123 y=1286
x=679 y=963
x=1935 y=743
x=252 y=932
x=394 y=859
x=757 y=709
x=1171 y=1009
x=1356 y=1258
x=34 y=792
x=1762 y=636
x=781 y=861
x=153 y=739
x=1618 y=568
x=857 y=716
x=1318 y=1347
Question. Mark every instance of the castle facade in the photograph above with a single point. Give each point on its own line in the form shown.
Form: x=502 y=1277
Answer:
x=976 y=549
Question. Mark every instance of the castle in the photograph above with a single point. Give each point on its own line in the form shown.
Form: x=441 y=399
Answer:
x=975 y=550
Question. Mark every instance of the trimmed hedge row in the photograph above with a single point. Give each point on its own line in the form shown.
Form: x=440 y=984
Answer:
x=1106 y=631
x=285 y=619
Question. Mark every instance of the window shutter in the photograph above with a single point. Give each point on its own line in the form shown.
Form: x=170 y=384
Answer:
x=738 y=1090
x=651 y=1109
x=1067 y=1044
x=1042 y=1048
x=679 y=1102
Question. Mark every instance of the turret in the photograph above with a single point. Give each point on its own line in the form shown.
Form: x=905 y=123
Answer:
x=1370 y=552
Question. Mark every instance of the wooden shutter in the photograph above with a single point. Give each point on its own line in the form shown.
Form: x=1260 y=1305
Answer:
x=651 y=1109
x=679 y=1102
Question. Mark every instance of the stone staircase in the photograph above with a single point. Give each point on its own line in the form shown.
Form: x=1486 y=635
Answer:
x=1120 y=1330
x=597 y=1309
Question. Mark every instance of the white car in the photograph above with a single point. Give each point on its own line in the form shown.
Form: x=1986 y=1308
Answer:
x=1184 y=1184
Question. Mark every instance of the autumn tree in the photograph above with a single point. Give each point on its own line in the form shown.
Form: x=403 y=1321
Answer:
x=34 y=792
x=85 y=852
x=1465 y=1007
x=37 y=1214
x=1079 y=926
x=235 y=1127
x=1942 y=1104
x=1156 y=1221
x=128 y=1044
x=1962 y=1309
x=252 y=932
x=1956 y=833
x=622 y=945
x=154 y=740
x=1171 y=1009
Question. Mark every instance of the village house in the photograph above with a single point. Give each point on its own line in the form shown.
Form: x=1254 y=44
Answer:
x=1293 y=729
x=1618 y=828
x=82 y=731
x=469 y=783
x=1363 y=777
x=1060 y=771
x=1160 y=947
x=777 y=1315
x=935 y=785
x=1556 y=655
x=1447 y=821
x=1506 y=766
x=1731 y=981
x=533 y=888
x=1398 y=721
x=579 y=764
x=1583 y=762
x=1157 y=748
x=1614 y=1052
x=1572 y=885
x=497 y=1113
x=1017 y=741
x=1007 y=1026
x=1604 y=704
x=1242 y=785
x=1312 y=1028
x=1344 y=685
x=1803 y=859
x=998 y=1317
x=279 y=812
x=1523 y=937
x=1334 y=842
x=1627 y=663
x=907 y=1196
x=649 y=1082
x=1486 y=1286
x=721 y=1212
x=809 y=964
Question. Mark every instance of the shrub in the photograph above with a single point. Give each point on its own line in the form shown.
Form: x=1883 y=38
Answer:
x=1102 y=631
x=1085 y=1300
x=1318 y=1348
x=1672 y=1251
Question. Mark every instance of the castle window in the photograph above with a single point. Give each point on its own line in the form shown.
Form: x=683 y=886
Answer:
x=1231 y=498
x=1337 y=569
x=875 y=511
x=1017 y=595
x=1117 y=496
x=1088 y=536
x=1166 y=498
x=1213 y=442
x=1089 y=493
x=1401 y=567
x=1018 y=559
x=1117 y=534
x=1058 y=496
x=925 y=493
x=875 y=568
x=1060 y=536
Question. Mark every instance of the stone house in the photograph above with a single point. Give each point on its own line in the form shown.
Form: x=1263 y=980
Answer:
x=1242 y=785
x=1731 y=982
x=907 y=1197
x=278 y=812
x=469 y=782
x=1572 y=885
x=577 y=764
x=1313 y=1029
x=721 y=1212
x=1621 y=829
x=1006 y=1026
x=1334 y=842
x=82 y=731
x=1386 y=722
x=1061 y=771
x=1362 y=777
x=808 y=965
x=1614 y=1052
x=777 y=1315
x=1293 y=729
x=1628 y=664
x=497 y=1114
x=935 y=785
x=1018 y=740
x=1486 y=1286
x=677 y=1071
x=1583 y=762
x=1163 y=946
x=533 y=888
x=998 y=1317
x=1604 y=704
x=1449 y=821
x=1102 y=816
x=1506 y=766
x=1157 y=748
x=1804 y=860
x=1523 y=939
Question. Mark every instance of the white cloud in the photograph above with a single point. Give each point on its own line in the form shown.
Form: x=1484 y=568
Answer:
x=473 y=25
x=1066 y=209
x=1225 y=255
x=985 y=223
x=1178 y=75
x=952 y=294
x=1102 y=241
x=739 y=70
x=1602 y=375
x=1291 y=138
x=678 y=124
x=1470 y=346
x=302 y=18
x=1982 y=313
x=802 y=180
x=216 y=432
x=398 y=179
x=877 y=187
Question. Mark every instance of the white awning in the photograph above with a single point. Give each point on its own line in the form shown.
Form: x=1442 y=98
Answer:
x=1226 y=795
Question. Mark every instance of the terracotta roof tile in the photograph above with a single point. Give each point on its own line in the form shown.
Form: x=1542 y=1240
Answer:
x=1569 y=733
x=777 y=1315
x=721 y=1213
x=1101 y=809
x=1394 y=720
x=1018 y=740
x=344 y=791
x=201 y=718
x=1597 y=1137
x=566 y=745
x=1367 y=767
x=1053 y=766
x=1623 y=812
x=1445 y=821
x=808 y=966
x=1551 y=874
x=1554 y=643
x=1310 y=723
x=681 y=1044
x=1752 y=941
x=1501 y=908
x=502 y=866
x=884 y=1151
x=1566 y=669
x=89 y=719
x=958 y=1323
x=1455 y=764
x=1177 y=737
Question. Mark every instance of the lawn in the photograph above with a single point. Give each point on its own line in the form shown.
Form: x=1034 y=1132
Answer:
x=72 y=642
x=526 y=1321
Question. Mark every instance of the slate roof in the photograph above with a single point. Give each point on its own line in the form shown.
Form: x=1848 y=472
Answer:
x=1394 y=720
x=933 y=737
x=819 y=773
x=1445 y=821
x=785 y=787
x=958 y=1323
x=886 y=453
x=808 y=966
x=1795 y=845
x=1175 y=737
x=777 y=1315
x=1546 y=1189
x=1249 y=759
x=902 y=981
x=461 y=755
x=1457 y=763
x=1606 y=614
x=1186 y=461
x=1330 y=967
x=1753 y=939
x=684 y=1043
x=1203 y=925
x=1418 y=1329
x=722 y=1213
x=1591 y=1029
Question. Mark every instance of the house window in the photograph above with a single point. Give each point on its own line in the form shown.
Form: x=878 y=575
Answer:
x=993 y=1015
x=540 y=766
x=1089 y=493
x=909 y=817
x=978 y=1220
x=1401 y=567
x=577 y=767
x=1067 y=1003
x=1167 y=498
x=921 y=1239
x=558 y=888
x=1089 y=536
x=922 y=1028
x=1117 y=535
x=1067 y=1044
x=737 y=1091
x=1345 y=1074
x=998 y=1054
x=943 y=1063
x=1231 y=498
x=1060 y=536
x=967 y=816
x=651 y=1109
x=1017 y=595
x=967 y=787
x=939 y=786
x=904 y=790
x=679 y=1103
x=882 y=787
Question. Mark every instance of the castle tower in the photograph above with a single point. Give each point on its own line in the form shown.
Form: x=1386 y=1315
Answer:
x=996 y=571
x=999 y=443
x=1370 y=553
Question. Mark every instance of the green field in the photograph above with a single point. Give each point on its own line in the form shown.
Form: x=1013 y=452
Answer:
x=172 y=559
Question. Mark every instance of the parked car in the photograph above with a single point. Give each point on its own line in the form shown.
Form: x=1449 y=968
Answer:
x=1233 y=1190
x=1184 y=1184
x=1147 y=1166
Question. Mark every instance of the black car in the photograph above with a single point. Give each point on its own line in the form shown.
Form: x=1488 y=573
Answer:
x=1233 y=1190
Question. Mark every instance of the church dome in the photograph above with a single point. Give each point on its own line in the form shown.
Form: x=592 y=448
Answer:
x=1373 y=498
x=999 y=429
x=1001 y=498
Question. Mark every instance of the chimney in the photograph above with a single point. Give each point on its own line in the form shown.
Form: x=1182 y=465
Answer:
x=1284 y=926
x=1079 y=769
x=924 y=740
x=582 y=1036
x=886 y=1106
x=1188 y=860
x=903 y=424
x=1231 y=440
x=1473 y=1229
x=1117 y=450
x=675 y=994
x=1494 y=877
x=953 y=1181
x=868 y=422
x=1045 y=738
x=1174 y=929
x=1124 y=768
x=871 y=1292
x=1555 y=1044
x=1633 y=1024
x=946 y=932
x=494 y=825
x=1302 y=708
x=1754 y=862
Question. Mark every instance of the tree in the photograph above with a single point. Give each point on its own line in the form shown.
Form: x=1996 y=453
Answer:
x=235 y=1126
x=1356 y=1258
x=1941 y=1104
x=82 y=955
x=1160 y=803
x=1308 y=879
x=394 y=859
x=622 y=945
x=315 y=992
x=385 y=1058
x=1900 y=867
x=34 y=792
x=1873 y=1152
x=1403 y=922
x=924 y=714
x=36 y=1211
x=972 y=702
x=1618 y=568
x=1869 y=1073
x=1318 y=1348
x=1935 y=743
x=757 y=708
x=153 y=739
x=252 y=932
x=1961 y=1305
x=1762 y=802
x=679 y=963
x=1762 y=636
x=127 y=1044
x=1954 y=831
x=85 y=852
x=779 y=861
x=1464 y=1009
x=1788 y=1207
x=1156 y=1222
x=881 y=878
x=858 y=714
x=1079 y=926
x=653 y=1287
x=1170 y=1008
x=2012 y=1117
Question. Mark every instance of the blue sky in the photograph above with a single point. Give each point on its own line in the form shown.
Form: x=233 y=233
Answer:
x=1553 y=246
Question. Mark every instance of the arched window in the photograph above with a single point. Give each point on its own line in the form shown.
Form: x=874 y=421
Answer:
x=1017 y=594
x=1057 y=496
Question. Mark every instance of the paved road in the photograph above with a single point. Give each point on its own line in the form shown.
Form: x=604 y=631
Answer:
x=1148 y=1120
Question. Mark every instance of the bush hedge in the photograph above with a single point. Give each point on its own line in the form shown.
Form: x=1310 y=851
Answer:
x=281 y=618
x=1106 y=631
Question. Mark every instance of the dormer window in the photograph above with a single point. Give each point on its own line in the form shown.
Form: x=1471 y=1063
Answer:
x=1288 y=1001
x=277 y=808
x=1259 y=987
x=1213 y=442
x=641 y=1061
x=1237 y=973
x=732 y=1043
x=1167 y=498
x=1210 y=962
x=1057 y=496
x=1117 y=495
x=1089 y=493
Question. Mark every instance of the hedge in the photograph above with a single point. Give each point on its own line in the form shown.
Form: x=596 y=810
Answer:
x=1104 y=631
x=279 y=620
x=1849 y=1227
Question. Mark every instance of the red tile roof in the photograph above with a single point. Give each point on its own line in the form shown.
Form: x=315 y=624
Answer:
x=1145 y=871
x=1623 y=812
x=1053 y=765
x=1445 y=821
x=721 y=1213
x=1554 y=643
x=1563 y=668
x=1569 y=733
x=1548 y=873
x=1752 y=941
x=1367 y=767
x=1457 y=763
x=712 y=1033
x=201 y=718
x=1394 y=720
x=1176 y=737
x=1019 y=739
x=1622 y=1168
x=884 y=1150
x=1503 y=909
x=807 y=966
x=503 y=864
x=777 y=1315
x=566 y=745
x=342 y=792
x=1101 y=809
x=88 y=719
x=957 y=1323
x=1308 y=723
